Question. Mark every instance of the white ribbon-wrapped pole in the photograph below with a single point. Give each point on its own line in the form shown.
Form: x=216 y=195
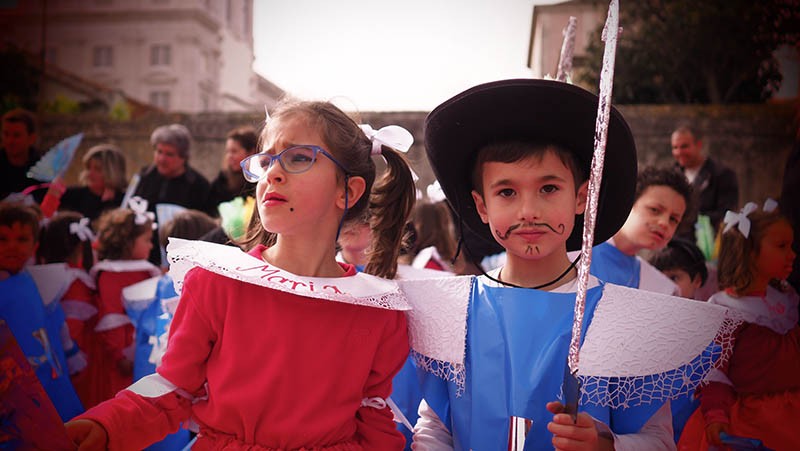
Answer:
x=567 y=50
x=610 y=32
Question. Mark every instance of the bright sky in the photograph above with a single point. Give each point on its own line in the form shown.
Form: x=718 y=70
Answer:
x=382 y=55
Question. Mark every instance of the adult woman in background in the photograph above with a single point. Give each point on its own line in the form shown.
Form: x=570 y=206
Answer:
x=103 y=182
x=241 y=142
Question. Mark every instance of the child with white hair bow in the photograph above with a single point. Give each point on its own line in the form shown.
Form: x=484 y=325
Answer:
x=756 y=395
x=282 y=347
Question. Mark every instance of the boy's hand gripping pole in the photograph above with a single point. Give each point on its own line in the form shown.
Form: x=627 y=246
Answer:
x=571 y=387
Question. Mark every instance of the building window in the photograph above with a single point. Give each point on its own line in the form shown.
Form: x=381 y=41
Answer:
x=160 y=55
x=160 y=99
x=229 y=11
x=103 y=56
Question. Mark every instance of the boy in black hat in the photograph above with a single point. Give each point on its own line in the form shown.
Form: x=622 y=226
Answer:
x=513 y=159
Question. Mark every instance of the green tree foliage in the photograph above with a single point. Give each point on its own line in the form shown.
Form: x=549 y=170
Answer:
x=689 y=51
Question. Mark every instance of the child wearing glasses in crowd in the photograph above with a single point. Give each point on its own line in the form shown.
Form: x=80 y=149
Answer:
x=283 y=347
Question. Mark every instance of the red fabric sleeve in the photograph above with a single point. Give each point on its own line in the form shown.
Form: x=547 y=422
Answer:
x=79 y=292
x=191 y=338
x=716 y=400
x=376 y=428
x=109 y=300
x=134 y=422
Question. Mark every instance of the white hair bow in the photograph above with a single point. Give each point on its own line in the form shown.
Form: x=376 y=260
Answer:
x=82 y=230
x=393 y=136
x=770 y=205
x=740 y=219
x=139 y=207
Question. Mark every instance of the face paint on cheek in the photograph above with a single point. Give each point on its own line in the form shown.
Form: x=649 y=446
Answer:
x=561 y=227
x=508 y=232
x=291 y=209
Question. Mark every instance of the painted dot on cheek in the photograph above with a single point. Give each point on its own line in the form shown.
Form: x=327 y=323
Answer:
x=291 y=209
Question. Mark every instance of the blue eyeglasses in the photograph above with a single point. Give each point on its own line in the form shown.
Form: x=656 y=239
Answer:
x=294 y=160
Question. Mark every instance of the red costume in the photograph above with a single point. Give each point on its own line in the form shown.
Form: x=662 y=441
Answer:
x=113 y=332
x=264 y=368
x=758 y=392
x=80 y=309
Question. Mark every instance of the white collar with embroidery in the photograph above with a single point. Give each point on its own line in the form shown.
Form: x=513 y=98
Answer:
x=776 y=310
x=232 y=262
x=124 y=266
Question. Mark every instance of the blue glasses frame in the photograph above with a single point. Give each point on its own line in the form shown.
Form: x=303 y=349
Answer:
x=252 y=177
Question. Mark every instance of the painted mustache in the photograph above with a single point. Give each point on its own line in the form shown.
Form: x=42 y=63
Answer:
x=559 y=229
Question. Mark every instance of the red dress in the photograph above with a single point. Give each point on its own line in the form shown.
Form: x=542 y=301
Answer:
x=280 y=371
x=113 y=332
x=80 y=310
x=763 y=401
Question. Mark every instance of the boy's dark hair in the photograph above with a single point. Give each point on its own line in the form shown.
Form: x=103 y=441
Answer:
x=681 y=254
x=15 y=213
x=188 y=225
x=58 y=244
x=513 y=151
x=669 y=177
x=21 y=116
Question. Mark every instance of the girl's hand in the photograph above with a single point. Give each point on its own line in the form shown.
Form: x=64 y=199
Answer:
x=576 y=435
x=712 y=433
x=88 y=435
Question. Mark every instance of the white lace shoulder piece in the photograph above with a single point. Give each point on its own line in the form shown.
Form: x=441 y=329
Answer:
x=651 y=279
x=437 y=323
x=124 y=266
x=232 y=262
x=52 y=280
x=776 y=310
x=140 y=295
x=637 y=332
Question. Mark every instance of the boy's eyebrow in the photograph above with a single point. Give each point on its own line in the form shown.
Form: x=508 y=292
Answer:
x=542 y=179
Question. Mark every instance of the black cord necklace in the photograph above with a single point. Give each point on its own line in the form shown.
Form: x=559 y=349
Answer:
x=538 y=287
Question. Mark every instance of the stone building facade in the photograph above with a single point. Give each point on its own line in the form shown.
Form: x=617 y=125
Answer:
x=178 y=55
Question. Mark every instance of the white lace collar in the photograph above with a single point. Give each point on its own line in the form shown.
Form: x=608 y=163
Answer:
x=776 y=310
x=232 y=262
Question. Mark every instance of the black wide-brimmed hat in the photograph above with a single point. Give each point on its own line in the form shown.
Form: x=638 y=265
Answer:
x=542 y=111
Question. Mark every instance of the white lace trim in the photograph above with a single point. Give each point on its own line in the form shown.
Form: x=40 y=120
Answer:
x=111 y=321
x=124 y=266
x=649 y=347
x=231 y=262
x=777 y=310
x=639 y=346
x=79 y=310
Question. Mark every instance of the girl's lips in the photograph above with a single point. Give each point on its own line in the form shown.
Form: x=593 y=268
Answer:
x=272 y=199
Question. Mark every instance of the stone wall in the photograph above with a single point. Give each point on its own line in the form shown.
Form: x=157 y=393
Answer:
x=754 y=140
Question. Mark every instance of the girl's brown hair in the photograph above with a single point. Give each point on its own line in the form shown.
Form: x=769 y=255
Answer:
x=59 y=245
x=389 y=201
x=116 y=233
x=434 y=227
x=736 y=266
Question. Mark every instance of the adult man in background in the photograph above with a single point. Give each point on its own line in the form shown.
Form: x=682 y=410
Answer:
x=715 y=187
x=18 y=153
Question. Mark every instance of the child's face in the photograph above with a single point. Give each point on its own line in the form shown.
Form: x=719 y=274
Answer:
x=355 y=240
x=305 y=203
x=530 y=205
x=654 y=217
x=775 y=258
x=684 y=281
x=142 y=246
x=17 y=246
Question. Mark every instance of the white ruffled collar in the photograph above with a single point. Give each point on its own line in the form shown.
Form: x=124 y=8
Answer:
x=232 y=262
x=776 y=310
